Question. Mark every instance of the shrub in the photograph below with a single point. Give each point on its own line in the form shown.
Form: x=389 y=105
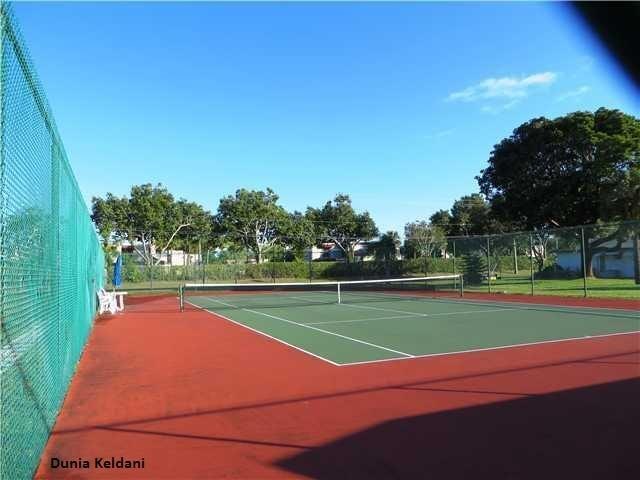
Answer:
x=474 y=268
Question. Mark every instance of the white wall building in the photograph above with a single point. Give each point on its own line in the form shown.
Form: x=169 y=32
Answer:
x=617 y=264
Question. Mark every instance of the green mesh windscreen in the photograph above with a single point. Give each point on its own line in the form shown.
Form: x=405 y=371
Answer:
x=51 y=262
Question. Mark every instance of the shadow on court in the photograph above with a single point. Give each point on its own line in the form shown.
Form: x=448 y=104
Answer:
x=582 y=433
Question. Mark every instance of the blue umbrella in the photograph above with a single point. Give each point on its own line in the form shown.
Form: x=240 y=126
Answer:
x=117 y=272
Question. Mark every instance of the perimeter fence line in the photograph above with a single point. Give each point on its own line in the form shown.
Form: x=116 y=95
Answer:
x=600 y=260
x=51 y=262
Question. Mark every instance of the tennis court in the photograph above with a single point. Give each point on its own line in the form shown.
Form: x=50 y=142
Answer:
x=346 y=323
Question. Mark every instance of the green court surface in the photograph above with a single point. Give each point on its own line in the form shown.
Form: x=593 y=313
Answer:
x=380 y=327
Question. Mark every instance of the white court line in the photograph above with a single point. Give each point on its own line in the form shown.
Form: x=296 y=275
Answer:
x=315 y=328
x=550 y=307
x=500 y=347
x=379 y=308
x=415 y=315
x=267 y=335
x=570 y=309
x=368 y=319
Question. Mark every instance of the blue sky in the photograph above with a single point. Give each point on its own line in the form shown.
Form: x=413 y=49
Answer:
x=398 y=105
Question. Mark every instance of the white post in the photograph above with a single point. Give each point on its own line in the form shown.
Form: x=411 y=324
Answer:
x=339 y=298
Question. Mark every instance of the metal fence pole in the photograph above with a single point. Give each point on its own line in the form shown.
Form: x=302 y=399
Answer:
x=583 y=252
x=454 y=257
x=150 y=267
x=531 y=260
x=488 y=267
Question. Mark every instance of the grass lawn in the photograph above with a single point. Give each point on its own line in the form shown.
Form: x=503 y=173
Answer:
x=597 y=287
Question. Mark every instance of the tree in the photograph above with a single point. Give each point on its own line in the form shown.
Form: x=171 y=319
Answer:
x=198 y=235
x=424 y=238
x=386 y=249
x=472 y=215
x=149 y=218
x=474 y=267
x=338 y=222
x=442 y=219
x=578 y=169
x=252 y=219
x=299 y=233
x=583 y=168
x=387 y=246
x=111 y=216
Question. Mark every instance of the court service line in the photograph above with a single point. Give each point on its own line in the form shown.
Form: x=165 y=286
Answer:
x=327 y=332
x=361 y=306
x=319 y=357
x=379 y=308
x=574 y=309
x=414 y=316
x=368 y=319
x=499 y=347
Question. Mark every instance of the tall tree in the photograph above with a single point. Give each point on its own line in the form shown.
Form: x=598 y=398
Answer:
x=387 y=247
x=198 y=235
x=299 y=233
x=111 y=216
x=252 y=219
x=149 y=218
x=442 y=219
x=338 y=222
x=574 y=170
x=582 y=168
x=424 y=238
x=472 y=215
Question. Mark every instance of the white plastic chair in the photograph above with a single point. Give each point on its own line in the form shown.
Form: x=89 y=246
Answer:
x=119 y=299
x=107 y=301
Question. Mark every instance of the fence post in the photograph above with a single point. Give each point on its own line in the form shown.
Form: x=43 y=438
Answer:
x=150 y=267
x=454 y=257
x=583 y=252
x=636 y=256
x=515 y=257
x=488 y=266
x=201 y=260
x=531 y=260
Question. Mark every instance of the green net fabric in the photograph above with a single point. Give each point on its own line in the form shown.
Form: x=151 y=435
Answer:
x=51 y=262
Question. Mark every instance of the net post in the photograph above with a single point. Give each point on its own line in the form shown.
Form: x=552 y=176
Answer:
x=461 y=286
x=339 y=295
x=181 y=297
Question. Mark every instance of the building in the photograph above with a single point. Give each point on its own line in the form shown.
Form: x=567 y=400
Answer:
x=330 y=252
x=616 y=264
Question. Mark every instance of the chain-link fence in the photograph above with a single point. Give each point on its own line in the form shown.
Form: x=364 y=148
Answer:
x=51 y=262
x=538 y=262
x=596 y=260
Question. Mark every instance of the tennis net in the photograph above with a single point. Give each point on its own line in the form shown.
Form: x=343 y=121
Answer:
x=281 y=295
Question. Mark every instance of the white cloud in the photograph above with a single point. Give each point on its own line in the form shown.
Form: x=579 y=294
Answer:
x=573 y=93
x=503 y=88
x=500 y=108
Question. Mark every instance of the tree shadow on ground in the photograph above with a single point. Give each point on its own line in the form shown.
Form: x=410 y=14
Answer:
x=583 y=433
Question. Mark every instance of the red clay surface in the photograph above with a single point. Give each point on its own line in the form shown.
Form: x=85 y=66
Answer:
x=200 y=397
